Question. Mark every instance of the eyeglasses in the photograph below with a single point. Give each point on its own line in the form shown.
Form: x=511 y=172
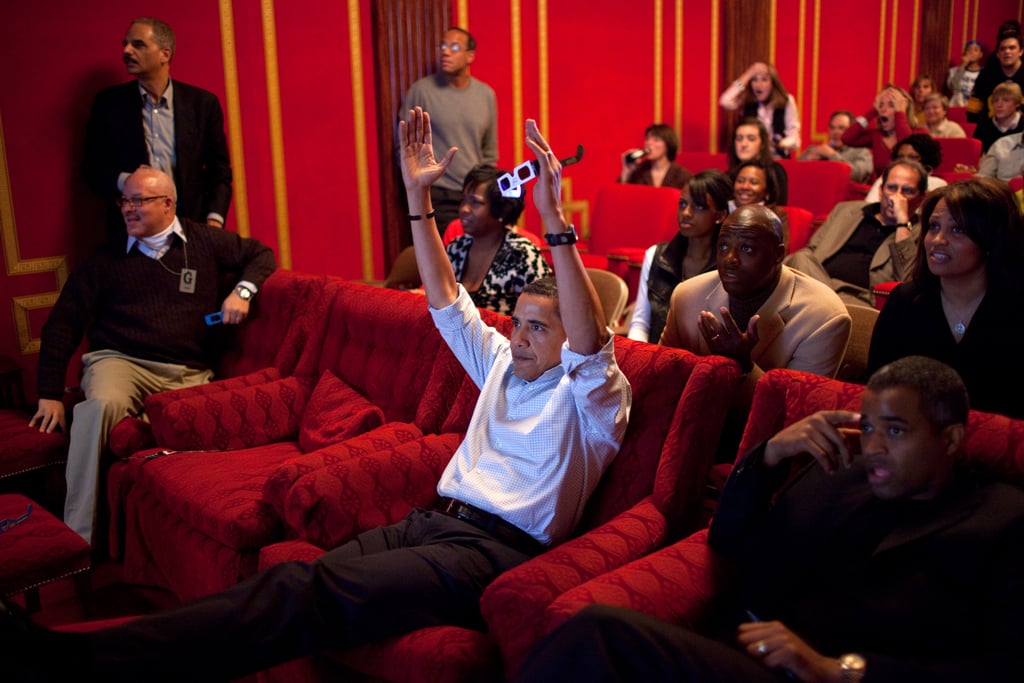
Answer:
x=137 y=202
x=451 y=47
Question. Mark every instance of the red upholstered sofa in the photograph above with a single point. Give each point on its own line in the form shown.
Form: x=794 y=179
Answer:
x=651 y=494
x=677 y=583
x=324 y=370
x=340 y=406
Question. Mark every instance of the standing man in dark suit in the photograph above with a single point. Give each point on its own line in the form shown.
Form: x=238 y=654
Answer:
x=154 y=121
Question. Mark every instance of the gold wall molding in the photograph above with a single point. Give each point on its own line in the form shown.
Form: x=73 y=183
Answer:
x=229 y=52
x=22 y=305
x=516 y=28
x=359 y=133
x=659 y=44
x=284 y=244
x=716 y=21
x=543 y=81
x=677 y=65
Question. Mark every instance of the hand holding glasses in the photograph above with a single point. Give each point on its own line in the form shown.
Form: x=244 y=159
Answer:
x=511 y=184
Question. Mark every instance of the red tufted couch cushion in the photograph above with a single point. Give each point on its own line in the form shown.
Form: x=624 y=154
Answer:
x=234 y=418
x=334 y=413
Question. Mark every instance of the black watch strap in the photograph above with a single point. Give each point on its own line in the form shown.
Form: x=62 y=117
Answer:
x=559 y=238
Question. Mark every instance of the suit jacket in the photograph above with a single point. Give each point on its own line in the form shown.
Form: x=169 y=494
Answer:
x=937 y=598
x=803 y=324
x=892 y=260
x=115 y=143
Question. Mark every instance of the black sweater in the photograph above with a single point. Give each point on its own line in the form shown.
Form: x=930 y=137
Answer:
x=131 y=303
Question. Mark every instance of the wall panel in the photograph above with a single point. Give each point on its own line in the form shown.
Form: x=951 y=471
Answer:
x=595 y=72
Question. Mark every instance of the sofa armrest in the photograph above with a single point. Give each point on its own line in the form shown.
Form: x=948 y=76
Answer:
x=515 y=604
x=130 y=436
x=676 y=584
x=330 y=505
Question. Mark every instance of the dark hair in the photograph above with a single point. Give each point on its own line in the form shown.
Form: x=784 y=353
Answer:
x=545 y=287
x=842 y=112
x=470 y=40
x=771 y=196
x=987 y=212
x=922 y=173
x=506 y=209
x=711 y=183
x=941 y=392
x=764 y=155
x=666 y=134
x=925 y=145
x=163 y=34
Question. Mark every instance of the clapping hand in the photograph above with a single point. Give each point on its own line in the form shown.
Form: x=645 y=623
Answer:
x=726 y=338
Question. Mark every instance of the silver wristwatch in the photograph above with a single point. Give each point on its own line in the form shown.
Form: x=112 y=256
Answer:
x=243 y=292
x=853 y=667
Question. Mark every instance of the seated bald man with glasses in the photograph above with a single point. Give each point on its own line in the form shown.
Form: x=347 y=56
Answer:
x=142 y=303
x=863 y=244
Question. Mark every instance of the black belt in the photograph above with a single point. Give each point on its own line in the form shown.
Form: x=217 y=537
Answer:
x=507 y=533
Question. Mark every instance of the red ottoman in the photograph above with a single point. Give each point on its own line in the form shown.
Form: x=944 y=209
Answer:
x=36 y=548
x=23 y=449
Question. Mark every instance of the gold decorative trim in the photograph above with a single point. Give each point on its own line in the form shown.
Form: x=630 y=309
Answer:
x=881 y=47
x=659 y=44
x=773 y=29
x=543 y=76
x=677 y=80
x=815 y=68
x=228 y=48
x=801 y=55
x=576 y=207
x=462 y=14
x=21 y=305
x=516 y=27
x=915 y=45
x=716 y=11
x=284 y=245
x=359 y=131
x=894 y=33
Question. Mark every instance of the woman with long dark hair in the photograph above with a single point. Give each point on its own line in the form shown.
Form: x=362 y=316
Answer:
x=961 y=304
x=703 y=205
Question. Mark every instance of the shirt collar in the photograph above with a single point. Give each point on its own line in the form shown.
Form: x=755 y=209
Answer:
x=167 y=95
x=155 y=243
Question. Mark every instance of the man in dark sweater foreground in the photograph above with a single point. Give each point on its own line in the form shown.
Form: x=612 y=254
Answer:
x=892 y=564
x=141 y=303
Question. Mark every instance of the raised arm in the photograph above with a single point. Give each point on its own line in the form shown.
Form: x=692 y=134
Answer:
x=419 y=171
x=578 y=304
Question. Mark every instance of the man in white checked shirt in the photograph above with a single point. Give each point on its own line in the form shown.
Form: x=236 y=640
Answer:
x=551 y=416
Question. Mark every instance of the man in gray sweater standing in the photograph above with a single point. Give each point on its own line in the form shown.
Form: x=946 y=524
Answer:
x=463 y=114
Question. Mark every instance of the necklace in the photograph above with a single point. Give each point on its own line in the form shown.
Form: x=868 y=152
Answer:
x=959 y=319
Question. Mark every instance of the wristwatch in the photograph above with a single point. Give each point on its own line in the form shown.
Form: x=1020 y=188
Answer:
x=559 y=238
x=853 y=667
x=243 y=292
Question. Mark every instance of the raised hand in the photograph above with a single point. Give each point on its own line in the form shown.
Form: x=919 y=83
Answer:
x=416 y=152
x=547 y=193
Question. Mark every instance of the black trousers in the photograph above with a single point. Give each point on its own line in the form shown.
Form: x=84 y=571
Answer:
x=429 y=569
x=602 y=644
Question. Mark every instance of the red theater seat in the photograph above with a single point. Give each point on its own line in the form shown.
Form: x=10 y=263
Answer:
x=816 y=186
x=958 y=151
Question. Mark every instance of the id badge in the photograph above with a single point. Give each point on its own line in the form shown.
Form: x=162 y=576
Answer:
x=187 y=284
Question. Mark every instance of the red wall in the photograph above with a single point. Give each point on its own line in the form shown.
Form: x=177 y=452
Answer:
x=309 y=182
